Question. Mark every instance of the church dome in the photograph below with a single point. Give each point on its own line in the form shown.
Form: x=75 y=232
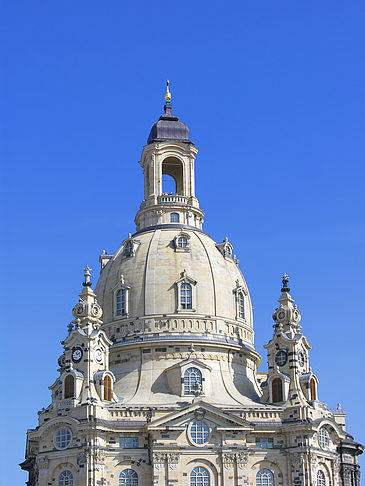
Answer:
x=168 y=127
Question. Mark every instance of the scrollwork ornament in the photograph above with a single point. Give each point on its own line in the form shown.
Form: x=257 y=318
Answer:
x=242 y=459
x=172 y=460
x=159 y=461
x=42 y=462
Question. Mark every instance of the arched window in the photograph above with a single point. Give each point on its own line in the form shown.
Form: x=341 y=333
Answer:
x=174 y=218
x=128 y=477
x=191 y=377
x=199 y=476
x=66 y=479
x=241 y=305
x=107 y=388
x=313 y=389
x=321 y=479
x=277 y=390
x=323 y=438
x=121 y=302
x=185 y=296
x=69 y=386
x=182 y=242
x=264 y=478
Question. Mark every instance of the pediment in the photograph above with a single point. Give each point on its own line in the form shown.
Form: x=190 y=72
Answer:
x=199 y=410
x=188 y=362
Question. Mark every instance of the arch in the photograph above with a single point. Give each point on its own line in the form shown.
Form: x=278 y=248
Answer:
x=173 y=167
x=69 y=391
x=107 y=388
x=321 y=478
x=191 y=377
x=277 y=390
x=313 y=391
x=128 y=477
x=199 y=476
x=66 y=478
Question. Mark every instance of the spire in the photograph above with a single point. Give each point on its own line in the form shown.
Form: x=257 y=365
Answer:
x=87 y=312
x=287 y=315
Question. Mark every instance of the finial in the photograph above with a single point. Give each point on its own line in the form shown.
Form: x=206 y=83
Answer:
x=168 y=94
x=285 y=281
x=121 y=278
x=87 y=275
x=70 y=327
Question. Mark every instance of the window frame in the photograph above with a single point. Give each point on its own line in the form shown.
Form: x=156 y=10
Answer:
x=204 y=432
x=134 y=479
x=274 y=389
x=191 y=368
x=67 y=388
x=241 y=297
x=182 y=249
x=320 y=478
x=178 y=285
x=134 y=442
x=122 y=287
x=199 y=480
x=108 y=388
x=173 y=216
x=261 y=441
x=68 y=479
x=67 y=442
x=323 y=438
x=265 y=477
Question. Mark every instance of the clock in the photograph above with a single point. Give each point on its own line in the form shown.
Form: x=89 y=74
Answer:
x=281 y=315
x=79 y=309
x=76 y=354
x=99 y=355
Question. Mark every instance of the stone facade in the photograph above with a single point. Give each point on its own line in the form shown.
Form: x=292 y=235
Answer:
x=158 y=381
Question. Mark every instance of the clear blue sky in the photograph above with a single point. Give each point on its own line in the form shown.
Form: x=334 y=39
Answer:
x=273 y=92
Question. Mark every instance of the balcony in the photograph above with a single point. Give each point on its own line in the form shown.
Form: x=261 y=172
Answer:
x=172 y=199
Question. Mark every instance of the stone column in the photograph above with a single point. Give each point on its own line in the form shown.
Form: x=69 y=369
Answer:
x=159 y=469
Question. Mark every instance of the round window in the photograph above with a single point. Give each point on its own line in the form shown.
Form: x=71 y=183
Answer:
x=281 y=358
x=182 y=242
x=323 y=438
x=62 y=438
x=198 y=432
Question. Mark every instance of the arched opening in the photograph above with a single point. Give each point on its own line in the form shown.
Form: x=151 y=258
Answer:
x=69 y=386
x=107 y=388
x=128 y=477
x=199 y=476
x=264 y=478
x=172 y=176
x=313 y=390
x=321 y=479
x=66 y=479
x=277 y=390
x=192 y=379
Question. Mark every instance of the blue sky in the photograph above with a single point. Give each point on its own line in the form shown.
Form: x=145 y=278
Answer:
x=273 y=93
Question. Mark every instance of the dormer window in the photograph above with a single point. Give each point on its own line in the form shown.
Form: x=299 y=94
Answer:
x=121 y=299
x=182 y=242
x=69 y=390
x=192 y=379
x=240 y=297
x=174 y=218
x=226 y=248
x=185 y=292
x=130 y=246
x=121 y=307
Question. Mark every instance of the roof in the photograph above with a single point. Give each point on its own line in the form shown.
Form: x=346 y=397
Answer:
x=168 y=127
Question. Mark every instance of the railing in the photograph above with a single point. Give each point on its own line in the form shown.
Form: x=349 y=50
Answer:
x=172 y=199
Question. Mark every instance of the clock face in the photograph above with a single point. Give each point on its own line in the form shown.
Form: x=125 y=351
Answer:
x=301 y=358
x=99 y=355
x=281 y=315
x=76 y=355
x=80 y=309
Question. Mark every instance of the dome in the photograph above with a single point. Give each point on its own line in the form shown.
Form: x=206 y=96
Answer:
x=168 y=127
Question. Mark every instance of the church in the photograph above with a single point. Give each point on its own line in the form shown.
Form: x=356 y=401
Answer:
x=158 y=382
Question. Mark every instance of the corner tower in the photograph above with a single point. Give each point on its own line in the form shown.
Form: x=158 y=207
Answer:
x=169 y=151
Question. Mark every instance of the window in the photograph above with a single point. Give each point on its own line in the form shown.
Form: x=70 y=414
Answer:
x=321 y=479
x=128 y=442
x=265 y=442
x=182 y=242
x=174 y=218
x=241 y=305
x=277 y=390
x=107 y=388
x=264 y=478
x=191 y=377
x=199 y=477
x=69 y=386
x=281 y=358
x=312 y=384
x=199 y=432
x=66 y=479
x=63 y=438
x=128 y=477
x=128 y=248
x=323 y=438
x=185 y=296
x=121 y=302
